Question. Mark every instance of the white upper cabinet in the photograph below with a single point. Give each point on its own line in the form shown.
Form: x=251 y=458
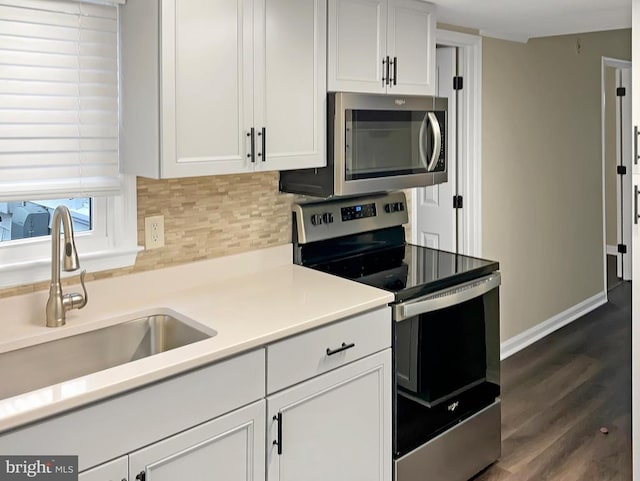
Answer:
x=222 y=87
x=357 y=45
x=291 y=90
x=381 y=46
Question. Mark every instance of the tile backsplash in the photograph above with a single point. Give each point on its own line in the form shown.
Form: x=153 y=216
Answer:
x=204 y=217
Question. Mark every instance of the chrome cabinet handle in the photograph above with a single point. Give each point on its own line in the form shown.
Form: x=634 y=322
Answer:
x=343 y=347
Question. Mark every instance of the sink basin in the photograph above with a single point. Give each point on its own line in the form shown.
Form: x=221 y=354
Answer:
x=56 y=361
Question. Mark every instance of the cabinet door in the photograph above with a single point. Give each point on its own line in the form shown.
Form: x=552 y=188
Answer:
x=336 y=426
x=116 y=470
x=357 y=45
x=290 y=83
x=229 y=448
x=411 y=46
x=207 y=86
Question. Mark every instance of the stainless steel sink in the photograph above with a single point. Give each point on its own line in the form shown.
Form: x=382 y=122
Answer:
x=56 y=361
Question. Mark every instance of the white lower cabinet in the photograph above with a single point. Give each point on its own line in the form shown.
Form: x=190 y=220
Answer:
x=335 y=426
x=116 y=470
x=229 y=448
x=326 y=415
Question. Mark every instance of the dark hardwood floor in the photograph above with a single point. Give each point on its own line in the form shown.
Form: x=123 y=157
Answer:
x=559 y=392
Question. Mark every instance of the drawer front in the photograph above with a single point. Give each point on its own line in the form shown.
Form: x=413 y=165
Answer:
x=315 y=352
x=121 y=424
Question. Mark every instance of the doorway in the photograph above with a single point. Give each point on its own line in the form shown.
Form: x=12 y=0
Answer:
x=436 y=222
x=616 y=168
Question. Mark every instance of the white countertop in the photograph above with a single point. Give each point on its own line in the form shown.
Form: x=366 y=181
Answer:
x=250 y=300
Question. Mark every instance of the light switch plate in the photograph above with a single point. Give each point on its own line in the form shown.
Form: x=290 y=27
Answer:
x=154 y=232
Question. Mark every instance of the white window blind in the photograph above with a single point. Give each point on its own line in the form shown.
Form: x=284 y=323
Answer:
x=58 y=99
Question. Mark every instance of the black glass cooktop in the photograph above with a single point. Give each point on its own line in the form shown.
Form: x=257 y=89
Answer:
x=407 y=270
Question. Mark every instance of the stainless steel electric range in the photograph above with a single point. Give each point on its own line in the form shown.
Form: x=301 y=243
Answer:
x=445 y=331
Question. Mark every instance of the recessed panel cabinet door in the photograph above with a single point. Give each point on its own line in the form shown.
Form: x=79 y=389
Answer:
x=335 y=427
x=290 y=83
x=207 y=83
x=411 y=47
x=357 y=45
x=229 y=448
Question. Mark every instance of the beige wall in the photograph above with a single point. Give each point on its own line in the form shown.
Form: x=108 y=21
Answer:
x=541 y=176
x=610 y=155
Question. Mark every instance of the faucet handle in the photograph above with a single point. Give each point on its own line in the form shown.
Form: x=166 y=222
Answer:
x=76 y=300
x=85 y=296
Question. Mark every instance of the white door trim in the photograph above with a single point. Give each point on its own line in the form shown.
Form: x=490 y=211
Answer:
x=470 y=140
x=620 y=64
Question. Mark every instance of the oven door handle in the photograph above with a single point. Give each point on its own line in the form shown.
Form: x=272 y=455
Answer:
x=446 y=298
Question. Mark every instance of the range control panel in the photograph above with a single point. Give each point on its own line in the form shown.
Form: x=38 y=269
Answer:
x=359 y=211
x=327 y=219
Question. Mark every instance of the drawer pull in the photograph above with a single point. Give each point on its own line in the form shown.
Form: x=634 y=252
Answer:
x=343 y=347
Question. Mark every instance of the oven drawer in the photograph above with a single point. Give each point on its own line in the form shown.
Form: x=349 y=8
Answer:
x=315 y=352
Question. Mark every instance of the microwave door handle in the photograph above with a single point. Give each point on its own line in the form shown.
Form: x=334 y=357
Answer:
x=446 y=298
x=437 y=142
x=421 y=147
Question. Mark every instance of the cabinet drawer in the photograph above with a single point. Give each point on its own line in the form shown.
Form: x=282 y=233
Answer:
x=121 y=424
x=306 y=355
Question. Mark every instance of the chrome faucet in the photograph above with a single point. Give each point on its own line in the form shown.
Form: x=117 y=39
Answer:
x=58 y=304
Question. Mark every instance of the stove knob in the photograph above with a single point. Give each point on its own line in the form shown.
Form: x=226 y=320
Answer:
x=388 y=208
x=400 y=206
x=327 y=217
x=316 y=219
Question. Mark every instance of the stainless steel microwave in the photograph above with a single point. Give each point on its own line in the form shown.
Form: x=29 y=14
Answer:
x=377 y=143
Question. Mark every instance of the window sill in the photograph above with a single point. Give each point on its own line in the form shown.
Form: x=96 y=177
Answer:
x=39 y=270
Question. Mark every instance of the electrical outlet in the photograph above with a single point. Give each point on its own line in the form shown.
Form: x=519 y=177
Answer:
x=154 y=232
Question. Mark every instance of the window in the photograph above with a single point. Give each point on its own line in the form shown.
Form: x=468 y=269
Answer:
x=59 y=102
x=32 y=218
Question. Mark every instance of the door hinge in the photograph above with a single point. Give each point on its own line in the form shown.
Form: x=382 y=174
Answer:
x=457 y=83
x=622 y=249
x=621 y=92
x=621 y=169
x=457 y=202
x=278 y=442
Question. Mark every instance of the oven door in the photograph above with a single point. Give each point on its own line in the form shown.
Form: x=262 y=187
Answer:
x=447 y=343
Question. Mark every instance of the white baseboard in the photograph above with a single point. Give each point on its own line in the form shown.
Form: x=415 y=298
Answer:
x=528 y=337
x=612 y=250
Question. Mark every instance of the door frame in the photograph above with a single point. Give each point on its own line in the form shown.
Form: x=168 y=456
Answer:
x=617 y=64
x=469 y=141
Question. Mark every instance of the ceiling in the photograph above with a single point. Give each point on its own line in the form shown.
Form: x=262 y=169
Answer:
x=523 y=19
